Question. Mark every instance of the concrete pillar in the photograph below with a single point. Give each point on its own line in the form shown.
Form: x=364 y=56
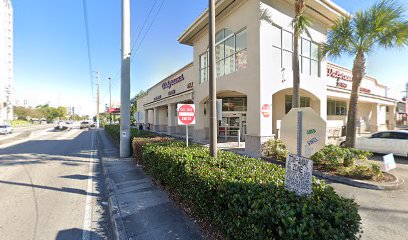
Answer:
x=171 y=119
x=156 y=118
x=146 y=119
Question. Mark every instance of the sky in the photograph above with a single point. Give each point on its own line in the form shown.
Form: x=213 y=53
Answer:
x=51 y=58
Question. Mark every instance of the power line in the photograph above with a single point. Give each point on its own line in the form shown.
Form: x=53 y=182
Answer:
x=88 y=42
x=133 y=52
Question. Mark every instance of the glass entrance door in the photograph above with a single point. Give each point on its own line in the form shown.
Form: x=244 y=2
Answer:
x=230 y=125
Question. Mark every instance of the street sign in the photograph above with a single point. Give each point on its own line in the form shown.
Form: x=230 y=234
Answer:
x=303 y=132
x=266 y=110
x=298 y=176
x=186 y=114
x=389 y=162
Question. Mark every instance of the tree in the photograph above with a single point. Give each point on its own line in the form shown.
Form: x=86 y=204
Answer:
x=133 y=105
x=300 y=24
x=382 y=25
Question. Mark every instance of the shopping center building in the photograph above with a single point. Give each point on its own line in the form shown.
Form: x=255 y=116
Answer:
x=254 y=69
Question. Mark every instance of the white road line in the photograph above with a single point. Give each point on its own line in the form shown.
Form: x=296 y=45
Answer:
x=86 y=234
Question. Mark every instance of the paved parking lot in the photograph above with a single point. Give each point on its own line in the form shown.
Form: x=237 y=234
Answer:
x=384 y=213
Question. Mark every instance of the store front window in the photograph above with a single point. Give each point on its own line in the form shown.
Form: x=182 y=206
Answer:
x=304 y=102
x=234 y=104
x=282 y=43
x=230 y=54
x=336 y=108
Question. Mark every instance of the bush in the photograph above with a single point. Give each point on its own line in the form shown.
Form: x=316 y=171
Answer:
x=245 y=197
x=333 y=157
x=114 y=132
x=275 y=148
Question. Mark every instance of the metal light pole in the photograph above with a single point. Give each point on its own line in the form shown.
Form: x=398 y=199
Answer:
x=125 y=82
x=110 y=100
x=212 y=79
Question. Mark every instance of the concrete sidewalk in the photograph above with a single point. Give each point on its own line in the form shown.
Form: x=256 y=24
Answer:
x=138 y=209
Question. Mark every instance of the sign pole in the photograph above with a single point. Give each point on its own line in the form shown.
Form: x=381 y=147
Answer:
x=299 y=133
x=186 y=135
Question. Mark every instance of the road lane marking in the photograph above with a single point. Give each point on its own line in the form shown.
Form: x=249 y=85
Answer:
x=86 y=234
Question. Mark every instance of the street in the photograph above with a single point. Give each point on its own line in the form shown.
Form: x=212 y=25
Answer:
x=51 y=187
x=384 y=213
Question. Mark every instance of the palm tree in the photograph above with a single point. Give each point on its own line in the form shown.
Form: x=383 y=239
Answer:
x=382 y=25
x=299 y=24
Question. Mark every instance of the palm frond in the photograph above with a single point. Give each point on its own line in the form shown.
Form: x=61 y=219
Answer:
x=340 y=39
x=265 y=15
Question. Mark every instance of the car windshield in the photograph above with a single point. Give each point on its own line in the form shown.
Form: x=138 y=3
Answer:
x=3 y=126
x=84 y=122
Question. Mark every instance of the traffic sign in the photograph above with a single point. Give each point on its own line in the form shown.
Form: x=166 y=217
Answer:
x=266 y=110
x=303 y=132
x=186 y=114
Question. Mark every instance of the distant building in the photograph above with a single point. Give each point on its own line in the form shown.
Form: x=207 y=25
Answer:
x=402 y=112
x=6 y=61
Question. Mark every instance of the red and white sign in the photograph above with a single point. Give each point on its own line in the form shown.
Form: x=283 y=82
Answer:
x=266 y=110
x=186 y=114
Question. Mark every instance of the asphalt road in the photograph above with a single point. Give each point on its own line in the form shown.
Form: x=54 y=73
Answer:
x=384 y=213
x=51 y=187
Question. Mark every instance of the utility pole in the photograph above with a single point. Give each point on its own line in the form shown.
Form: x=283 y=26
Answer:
x=125 y=82
x=110 y=100
x=97 y=100
x=212 y=79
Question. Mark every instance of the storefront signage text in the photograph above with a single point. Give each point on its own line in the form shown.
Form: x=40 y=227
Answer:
x=190 y=85
x=172 y=82
x=172 y=92
x=344 y=85
x=337 y=74
x=157 y=98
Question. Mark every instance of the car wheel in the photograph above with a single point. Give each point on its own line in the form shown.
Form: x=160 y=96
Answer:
x=343 y=144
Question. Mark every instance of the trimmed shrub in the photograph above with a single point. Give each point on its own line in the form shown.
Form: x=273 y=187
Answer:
x=245 y=197
x=332 y=157
x=114 y=131
x=275 y=148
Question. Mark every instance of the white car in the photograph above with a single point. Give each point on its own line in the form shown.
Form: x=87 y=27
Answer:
x=5 y=129
x=395 y=142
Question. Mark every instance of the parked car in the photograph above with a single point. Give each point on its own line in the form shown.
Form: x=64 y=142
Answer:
x=395 y=142
x=84 y=124
x=5 y=129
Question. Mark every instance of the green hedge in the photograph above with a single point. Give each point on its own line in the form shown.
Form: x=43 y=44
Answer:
x=114 y=132
x=245 y=197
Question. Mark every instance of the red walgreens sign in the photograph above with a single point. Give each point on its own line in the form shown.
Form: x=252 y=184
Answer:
x=186 y=114
x=113 y=110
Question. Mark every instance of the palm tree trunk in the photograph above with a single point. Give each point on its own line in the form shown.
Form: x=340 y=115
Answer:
x=296 y=70
x=299 y=9
x=358 y=74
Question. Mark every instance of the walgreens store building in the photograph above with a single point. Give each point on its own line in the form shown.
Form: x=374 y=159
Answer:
x=254 y=70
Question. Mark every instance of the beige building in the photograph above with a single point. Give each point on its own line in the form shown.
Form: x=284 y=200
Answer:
x=6 y=61
x=254 y=70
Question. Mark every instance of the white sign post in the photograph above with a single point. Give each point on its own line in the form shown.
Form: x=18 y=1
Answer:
x=389 y=162
x=298 y=176
x=186 y=116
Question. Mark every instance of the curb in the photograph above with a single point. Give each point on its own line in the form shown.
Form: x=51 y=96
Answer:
x=361 y=184
x=118 y=228
x=348 y=181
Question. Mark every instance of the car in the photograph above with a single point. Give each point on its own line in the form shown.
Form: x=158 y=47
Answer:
x=385 y=142
x=63 y=126
x=84 y=124
x=5 y=129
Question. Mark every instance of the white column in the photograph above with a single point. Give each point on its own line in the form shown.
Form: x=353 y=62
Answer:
x=156 y=119
x=146 y=119
x=171 y=118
